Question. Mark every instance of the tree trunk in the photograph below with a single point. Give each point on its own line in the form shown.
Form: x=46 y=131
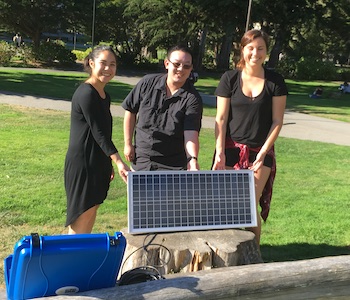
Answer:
x=223 y=59
x=36 y=39
x=199 y=60
x=275 y=52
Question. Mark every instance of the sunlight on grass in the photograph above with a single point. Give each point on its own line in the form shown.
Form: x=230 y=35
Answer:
x=308 y=209
x=14 y=80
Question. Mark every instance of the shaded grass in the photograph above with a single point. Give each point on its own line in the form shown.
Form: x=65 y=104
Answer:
x=332 y=105
x=51 y=84
x=309 y=213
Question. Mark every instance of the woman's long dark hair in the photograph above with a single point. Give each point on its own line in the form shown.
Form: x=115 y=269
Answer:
x=94 y=54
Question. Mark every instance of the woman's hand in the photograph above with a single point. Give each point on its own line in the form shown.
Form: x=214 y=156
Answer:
x=123 y=170
x=112 y=174
x=259 y=161
x=219 y=161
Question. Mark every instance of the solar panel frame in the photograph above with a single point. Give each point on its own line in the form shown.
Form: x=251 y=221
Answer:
x=167 y=201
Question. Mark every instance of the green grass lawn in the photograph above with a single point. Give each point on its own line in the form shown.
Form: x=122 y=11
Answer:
x=309 y=216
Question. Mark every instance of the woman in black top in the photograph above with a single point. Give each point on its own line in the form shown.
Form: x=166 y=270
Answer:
x=250 y=108
x=88 y=167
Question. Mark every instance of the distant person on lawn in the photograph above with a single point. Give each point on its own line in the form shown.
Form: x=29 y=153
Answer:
x=88 y=166
x=17 y=39
x=317 y=93
x=345 y=88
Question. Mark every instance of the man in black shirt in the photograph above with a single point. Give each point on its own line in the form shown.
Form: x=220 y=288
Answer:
x=163 y=113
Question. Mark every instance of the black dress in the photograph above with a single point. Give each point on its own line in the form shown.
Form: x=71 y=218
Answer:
x=88 y=165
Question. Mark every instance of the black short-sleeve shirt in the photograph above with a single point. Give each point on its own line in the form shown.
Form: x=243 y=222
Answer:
x=162 y=120
x=250 y=120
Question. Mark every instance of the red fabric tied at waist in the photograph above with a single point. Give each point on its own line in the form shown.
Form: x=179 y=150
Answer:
x=243 y=163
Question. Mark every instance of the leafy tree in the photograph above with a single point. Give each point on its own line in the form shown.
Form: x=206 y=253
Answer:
x=77 y=16
x=33 y=17
x=138 y=28
x=334 y=24
x=162 y=24
x=279 y=19
x=304 y=28
x=114 y=25
x=225 y=21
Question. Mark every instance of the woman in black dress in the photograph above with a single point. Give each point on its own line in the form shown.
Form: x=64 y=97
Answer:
x=88 y=165
x=250 y=108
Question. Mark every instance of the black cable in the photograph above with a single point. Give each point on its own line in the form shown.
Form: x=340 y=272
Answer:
x=140 y=274
x=144 y=247
x=144 y=273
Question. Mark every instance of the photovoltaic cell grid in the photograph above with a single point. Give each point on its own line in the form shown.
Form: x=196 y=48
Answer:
x=160 y=201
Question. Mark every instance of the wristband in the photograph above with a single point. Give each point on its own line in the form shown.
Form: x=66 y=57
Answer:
x=190 y=158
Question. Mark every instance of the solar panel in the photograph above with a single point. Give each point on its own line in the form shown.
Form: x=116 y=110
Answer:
x=160 y=201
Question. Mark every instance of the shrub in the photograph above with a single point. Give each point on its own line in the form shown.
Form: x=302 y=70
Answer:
x=313 y=69
x=208 y=60
x=6 y=53
x=344 y=75
x=25 y=54
x=150 y=64
x=81 y=54
x=50 y=52
x=127 y=58
x=287 y=67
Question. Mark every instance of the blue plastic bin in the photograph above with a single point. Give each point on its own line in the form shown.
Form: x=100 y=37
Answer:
x=63 y=264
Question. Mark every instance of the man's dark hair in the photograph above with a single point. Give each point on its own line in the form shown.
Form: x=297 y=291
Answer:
x=179 y=47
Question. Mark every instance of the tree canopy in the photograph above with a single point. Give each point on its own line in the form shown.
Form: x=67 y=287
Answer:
x=138 y=28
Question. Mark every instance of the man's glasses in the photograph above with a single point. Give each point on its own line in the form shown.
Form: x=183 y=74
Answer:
x=177 y=65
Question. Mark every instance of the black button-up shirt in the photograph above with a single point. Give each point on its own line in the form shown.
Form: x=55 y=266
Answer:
x=162 y=120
